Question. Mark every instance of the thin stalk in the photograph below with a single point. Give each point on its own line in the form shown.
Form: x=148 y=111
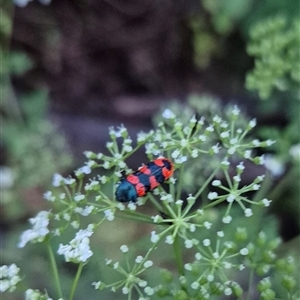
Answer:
x=54 y=269
x=74 y=286
x=178 y=255
x=250 y=284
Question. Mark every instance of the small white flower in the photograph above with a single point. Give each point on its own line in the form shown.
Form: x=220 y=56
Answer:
x=252 y=123
x=241 y=166
x=202 y=137
x=212 y=195
x=125 y=290
x=188 y=267
x=225 y=163
x=224 y=134
x=9 y=277
x=124 y=248
x=216 y=255
x=121 y=206
x=86 y=169
x=227 y=219
x=198 y=256
x=181 y=159
x=248 y=212
x=79 y=197
x=75 y=224
x=97 y=284
x=69 y=181
x=116 y=265
x=216 y=148
x=210 y=277
x=169 y=240
x=49 y=196
x=233 y=141
x=195 y=285
x=216 y=183
x=237 y=178
x=89 y=154
x=228 y=291
x=156 y=218
x=57 y=180
x=230 y=198
x=109 y=214
x=224 y=125
x=106 y=165
x=184 y=142
x=256 y=143
x=274 y=165
x=270 y=142
x=266 y=202
x=206 y=242
x=231 y=150
x=67 y=216
x=207 y=224
x=175 y=153
x=139 y=259
x=244 y=251
x=143 y=283
x=210 y=128
x=236 y=110
x=247 y=154
x=154 y=237
x=194 y=153
x=188 y=244
x=192 y=227
x=131 y=206
x=141 y=137
x=220 y=233
x=179 y=202
x=38 y=231
x=167 y=197
x=78 y=250
x=256 y=187
x=149 y=291
x=87 y=210
x=148 y=264
x=168 y=114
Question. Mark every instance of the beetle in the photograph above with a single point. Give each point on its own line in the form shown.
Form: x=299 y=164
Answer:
x=144 y=180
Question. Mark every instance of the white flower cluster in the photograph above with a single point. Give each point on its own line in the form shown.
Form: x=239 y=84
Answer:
x=78 y=250
x=9 y=277
x=39 y=229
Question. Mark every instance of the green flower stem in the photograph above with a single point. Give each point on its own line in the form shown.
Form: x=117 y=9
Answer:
x=54 y=269
x=264 y=189
x=155 y=202
x=68 y=193
x=228 y=179
x=125 y=156
x=74 y=286
x=206 y=183
x=179 y=182
x=80 y=185
x=135 y=216
x=214 y=203
x=178 y=255
x=250 y=283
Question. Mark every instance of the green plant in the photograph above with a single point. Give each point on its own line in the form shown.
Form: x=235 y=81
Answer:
x=206 y=248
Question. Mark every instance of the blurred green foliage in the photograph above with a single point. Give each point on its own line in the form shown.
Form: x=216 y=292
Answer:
x=217 y=19
x=33 y=149
x=275 y=44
